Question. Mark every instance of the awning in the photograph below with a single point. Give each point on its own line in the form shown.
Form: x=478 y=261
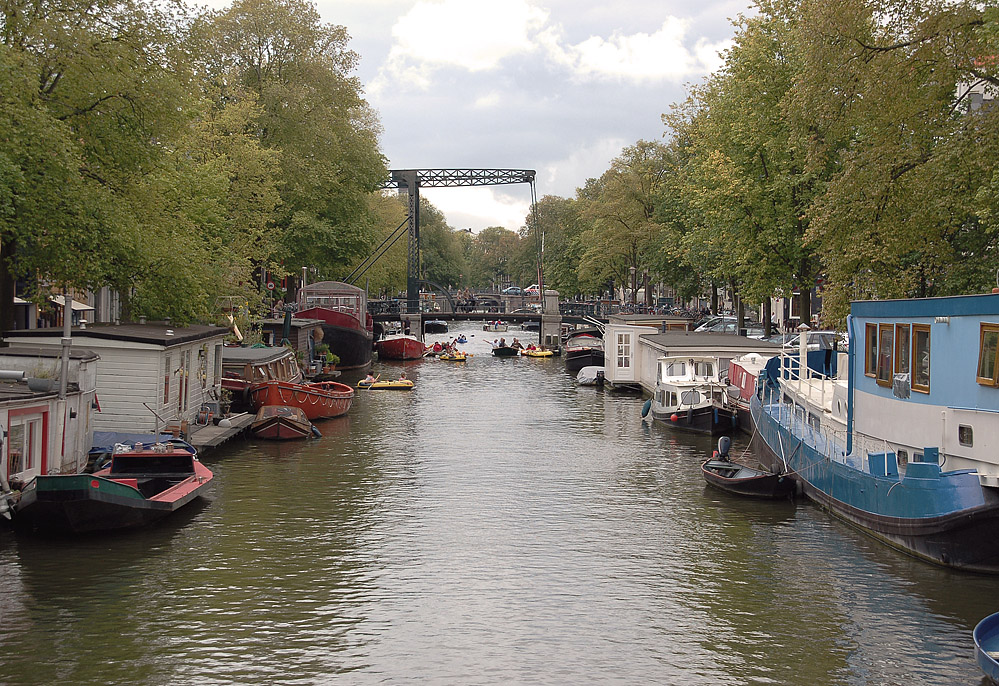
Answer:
x=20 y=301
x=76 y=305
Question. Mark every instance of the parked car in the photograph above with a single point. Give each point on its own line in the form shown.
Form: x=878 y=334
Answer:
x=533 y=289
x=513 y=290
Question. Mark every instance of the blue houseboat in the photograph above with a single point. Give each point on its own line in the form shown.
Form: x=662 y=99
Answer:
x=906 y=447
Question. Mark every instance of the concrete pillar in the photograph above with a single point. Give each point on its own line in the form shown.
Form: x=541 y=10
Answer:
x=551 y=321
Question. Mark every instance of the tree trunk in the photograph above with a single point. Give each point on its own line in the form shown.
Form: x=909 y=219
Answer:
x=767 y=317
x=7 y=249
x=806 y=306
x=714 y=298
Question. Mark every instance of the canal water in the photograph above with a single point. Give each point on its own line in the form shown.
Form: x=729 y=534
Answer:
x=497 y=525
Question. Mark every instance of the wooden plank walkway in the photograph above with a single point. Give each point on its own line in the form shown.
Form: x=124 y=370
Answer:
x=208 y=437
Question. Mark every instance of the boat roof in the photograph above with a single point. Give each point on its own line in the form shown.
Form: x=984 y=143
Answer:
x=254 y=355
x=51 y=352
x=156 y=333
x=321 y=287
x=706 y=342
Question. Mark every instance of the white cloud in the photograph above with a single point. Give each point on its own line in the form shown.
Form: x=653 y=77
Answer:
x=479 y=207
x=562 y=177
x=478 y=36
x=488 y=100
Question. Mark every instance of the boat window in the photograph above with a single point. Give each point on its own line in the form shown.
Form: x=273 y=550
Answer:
x=965 y=435
x=661 y=397
x=690 y=398
x=813 y=421
x=988 y=350
x=921 y=358
x=871 y=358
x=702 y=368
x=166 y=380
x=24 y=443
x=901 y=348
x=623 y=350
x=886 y=344
x=902 y=457
x=672 y=399
x=676 y=369
x=218 y=363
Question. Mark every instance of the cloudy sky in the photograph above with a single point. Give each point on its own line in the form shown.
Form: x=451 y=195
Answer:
x=558 y=86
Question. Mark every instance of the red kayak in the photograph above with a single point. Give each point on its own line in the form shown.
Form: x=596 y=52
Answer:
x=322 y=400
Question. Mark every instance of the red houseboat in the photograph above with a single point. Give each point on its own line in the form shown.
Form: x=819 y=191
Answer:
x=347 y=326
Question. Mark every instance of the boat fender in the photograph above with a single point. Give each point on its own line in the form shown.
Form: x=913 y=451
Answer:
x=724 y=443
x=315 y=432
x=646 y=407
x=674 y=417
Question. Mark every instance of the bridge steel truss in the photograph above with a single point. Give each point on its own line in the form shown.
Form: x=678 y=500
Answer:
x=413 y=179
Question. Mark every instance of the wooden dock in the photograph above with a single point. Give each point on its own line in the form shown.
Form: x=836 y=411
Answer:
x=207 y=437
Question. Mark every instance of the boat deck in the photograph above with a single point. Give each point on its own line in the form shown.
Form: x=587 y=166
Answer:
x=207 y=437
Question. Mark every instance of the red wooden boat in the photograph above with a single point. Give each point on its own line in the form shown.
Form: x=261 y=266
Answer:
x=243 y=367
x=141 y=485
x=281 y=422
x=400 y=348
x=322 y=400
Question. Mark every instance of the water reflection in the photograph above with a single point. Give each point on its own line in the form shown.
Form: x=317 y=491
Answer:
x=496 y=524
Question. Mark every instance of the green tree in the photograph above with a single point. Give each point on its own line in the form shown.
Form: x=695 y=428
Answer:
x=312 y=111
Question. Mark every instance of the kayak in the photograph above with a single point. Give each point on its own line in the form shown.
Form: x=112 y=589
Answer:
x=537 y=353
x=397 y=385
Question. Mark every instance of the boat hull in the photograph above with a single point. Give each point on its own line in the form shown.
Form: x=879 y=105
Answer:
x=400 y=348
x=86 y=503
x=741 y=480
x=498 y=328
x=280 y=428
x=323 y=400
x=579 y=358
x=986 y=636
x=505 y=351
x=347 y=338
x=708 y=420
x=946 y=518
x=435 y=326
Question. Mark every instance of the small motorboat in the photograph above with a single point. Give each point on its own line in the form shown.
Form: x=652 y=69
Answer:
x=388 y=385
x=591 y=376
x=537 y=353
x=455 y=357
x=281 y=422
x=986 y=637
x=737 y=478
x=505 y=351
x=435 y=326
x=143 y=483
x=495 y=326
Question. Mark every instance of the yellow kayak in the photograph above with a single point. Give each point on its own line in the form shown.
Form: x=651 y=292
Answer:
x=537 y=353
x=457 y=357
x=397 y=385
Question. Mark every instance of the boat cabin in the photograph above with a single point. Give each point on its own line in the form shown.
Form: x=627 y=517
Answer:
x=931 y=366
x=243 y=367
x=150 y=374
x=39 y=433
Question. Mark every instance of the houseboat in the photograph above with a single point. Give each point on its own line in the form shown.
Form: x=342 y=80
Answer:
x=243 y=367
x=43 y=432
x=347 y=326
x=742 y=375
x=150 y=374
x=901 y=443
x=691 y=396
